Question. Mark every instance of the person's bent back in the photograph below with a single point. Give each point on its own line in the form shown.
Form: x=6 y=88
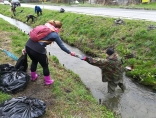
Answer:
x=38 y=10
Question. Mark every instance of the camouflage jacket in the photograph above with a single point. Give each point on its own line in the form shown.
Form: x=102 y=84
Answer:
x=112 y=69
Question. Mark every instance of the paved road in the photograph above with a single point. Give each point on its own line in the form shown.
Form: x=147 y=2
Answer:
x=149 y=15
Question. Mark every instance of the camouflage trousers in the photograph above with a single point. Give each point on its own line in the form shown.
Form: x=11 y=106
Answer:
x=112 y=85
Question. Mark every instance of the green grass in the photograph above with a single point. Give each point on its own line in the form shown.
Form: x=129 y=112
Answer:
x=4 y=97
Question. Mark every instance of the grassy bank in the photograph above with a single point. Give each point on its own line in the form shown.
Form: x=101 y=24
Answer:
x=68 y=97
x=134 y=40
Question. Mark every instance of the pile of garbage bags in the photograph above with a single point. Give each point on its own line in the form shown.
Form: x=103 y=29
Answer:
x=14 y=79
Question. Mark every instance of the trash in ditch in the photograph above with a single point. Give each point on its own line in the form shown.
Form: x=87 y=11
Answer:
x=22 y=107
x=129 y=68
x=12 y=80
x=118 y=21
x=151 y=27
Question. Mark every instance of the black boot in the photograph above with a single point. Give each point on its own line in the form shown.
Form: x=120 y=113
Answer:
x=122 y=86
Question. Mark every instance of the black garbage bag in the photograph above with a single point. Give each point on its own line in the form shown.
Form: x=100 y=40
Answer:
x=13 y=80
x=151 y=27
x=62 y=10
x=22 y=63
x=5 y=68
x=119 y=21
x=22 y=107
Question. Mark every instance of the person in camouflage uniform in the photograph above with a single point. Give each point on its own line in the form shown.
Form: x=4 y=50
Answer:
x=112 y=69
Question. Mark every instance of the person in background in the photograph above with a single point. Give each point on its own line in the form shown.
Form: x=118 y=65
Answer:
x=37 y=53
x=112 y=69
x=38 y=10
x=30 y=16
x=13 y=9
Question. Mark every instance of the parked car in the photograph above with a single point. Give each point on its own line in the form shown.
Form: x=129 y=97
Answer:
x=6 y=2
x=15 y=3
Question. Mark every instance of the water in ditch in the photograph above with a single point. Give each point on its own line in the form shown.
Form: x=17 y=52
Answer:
x=136 y=102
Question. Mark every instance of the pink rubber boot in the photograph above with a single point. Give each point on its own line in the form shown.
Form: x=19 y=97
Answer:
x=34 y=76
x=47 y=80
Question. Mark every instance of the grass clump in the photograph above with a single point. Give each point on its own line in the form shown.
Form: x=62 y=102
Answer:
x=3 y=97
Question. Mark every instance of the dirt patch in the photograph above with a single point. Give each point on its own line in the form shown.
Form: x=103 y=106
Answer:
x=5 y=43
x=37 y=89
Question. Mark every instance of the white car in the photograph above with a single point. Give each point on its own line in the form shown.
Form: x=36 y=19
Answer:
x=6 y=2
